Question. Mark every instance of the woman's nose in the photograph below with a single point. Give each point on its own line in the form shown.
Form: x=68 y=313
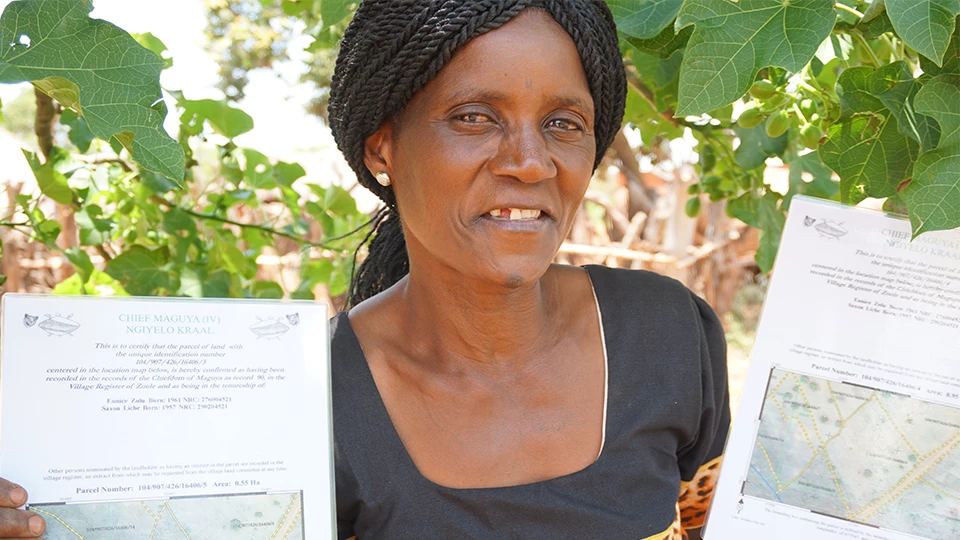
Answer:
x=523 y=154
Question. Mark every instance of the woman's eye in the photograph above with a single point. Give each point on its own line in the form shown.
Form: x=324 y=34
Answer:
x=564 y=124
x=473 y=118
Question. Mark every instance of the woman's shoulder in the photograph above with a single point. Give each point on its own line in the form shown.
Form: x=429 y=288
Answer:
x=630 y=286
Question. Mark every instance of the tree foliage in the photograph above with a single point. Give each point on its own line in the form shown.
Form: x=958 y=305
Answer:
x=868 y=91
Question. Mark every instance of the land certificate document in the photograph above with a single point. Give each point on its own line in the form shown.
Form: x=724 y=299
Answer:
x=849 y=425
x=163 y=419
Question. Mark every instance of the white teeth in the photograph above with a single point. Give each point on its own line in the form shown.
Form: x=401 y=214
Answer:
x=515 y=214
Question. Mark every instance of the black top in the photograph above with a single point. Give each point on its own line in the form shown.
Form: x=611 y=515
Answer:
x=667 y=416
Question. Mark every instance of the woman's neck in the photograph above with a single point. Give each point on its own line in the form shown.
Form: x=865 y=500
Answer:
x=459 y=322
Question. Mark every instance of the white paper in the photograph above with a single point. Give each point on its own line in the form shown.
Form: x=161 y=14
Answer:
x=856 y=371
x=132 y=418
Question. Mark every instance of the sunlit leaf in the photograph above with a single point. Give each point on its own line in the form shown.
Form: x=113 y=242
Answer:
x=870 y=155
x=51 y=182
x=925 y=25
x=933 y=197
x=95 y=68
x=895 y=87
x=643 y=18
x=81 y=263
x=141 y=271
x=732 y=41
x=224 y=119
x=334 y=11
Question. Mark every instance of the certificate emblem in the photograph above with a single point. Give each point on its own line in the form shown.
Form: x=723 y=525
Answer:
x=57 y=325
x=274 y=328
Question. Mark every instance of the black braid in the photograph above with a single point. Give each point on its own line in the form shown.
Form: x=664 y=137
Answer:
x=392 y=48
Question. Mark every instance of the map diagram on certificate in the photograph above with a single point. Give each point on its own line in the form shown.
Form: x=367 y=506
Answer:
x=859 y=454
x=274 y=516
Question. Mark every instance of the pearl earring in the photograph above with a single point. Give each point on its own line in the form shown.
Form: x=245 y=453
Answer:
x=383 y=178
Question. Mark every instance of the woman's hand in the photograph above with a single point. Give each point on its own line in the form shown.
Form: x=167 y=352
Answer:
x=17 y=523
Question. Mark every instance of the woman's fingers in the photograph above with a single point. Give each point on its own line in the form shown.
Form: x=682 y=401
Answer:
x=20 y=524
x=11 y=495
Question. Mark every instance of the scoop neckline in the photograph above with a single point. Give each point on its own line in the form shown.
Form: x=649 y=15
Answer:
x=394 y=436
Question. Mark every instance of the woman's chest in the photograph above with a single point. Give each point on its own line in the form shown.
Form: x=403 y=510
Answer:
x=502 y=434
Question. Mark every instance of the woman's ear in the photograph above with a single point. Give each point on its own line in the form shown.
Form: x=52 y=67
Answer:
x=378 y=150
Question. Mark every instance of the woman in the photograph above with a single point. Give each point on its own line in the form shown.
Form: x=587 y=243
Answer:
x=479 y=390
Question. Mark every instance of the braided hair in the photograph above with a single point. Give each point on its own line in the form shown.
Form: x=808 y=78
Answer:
x=392 y=48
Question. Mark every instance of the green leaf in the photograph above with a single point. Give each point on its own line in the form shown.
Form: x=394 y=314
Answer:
x=643 y=18
x=764 y=213
x=810 y=176
x=925 y=25
x=940 y=98
x=258 y=172
x=853 y=90
x=94 y=230
x=267 y=289
x=98 y=283
x=339 y=280
x=47 y=231
x=339 y=202
x=95 y=68
x=195 y=282
x=870 y=155
x=156 y=46
x=334 y=11
x=875 y=27
x=81 y=262
x=256 y=239
x=951 y=60
x=732 y=41
x=933 y=197
x=230 y=255
x=176 y=219
x=156 y=183
x=141 y=271
x=287 y=173
x=80 y=134
x=51 y=182
x=895 y=87
x=755 y=146
x=317 y=271
x=897 y=204
x=224 y=119
x=664 y=44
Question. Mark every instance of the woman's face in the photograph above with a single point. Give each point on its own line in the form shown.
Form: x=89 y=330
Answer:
x=491 y=159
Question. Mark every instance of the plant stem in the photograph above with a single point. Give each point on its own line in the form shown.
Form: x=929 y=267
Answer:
x=264 y=228
x=873 y=55
x=800 y=115
x=848 y=9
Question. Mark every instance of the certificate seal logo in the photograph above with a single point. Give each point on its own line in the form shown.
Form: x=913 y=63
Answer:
x=57 y=325
x=276 y=327
x=827 y=228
